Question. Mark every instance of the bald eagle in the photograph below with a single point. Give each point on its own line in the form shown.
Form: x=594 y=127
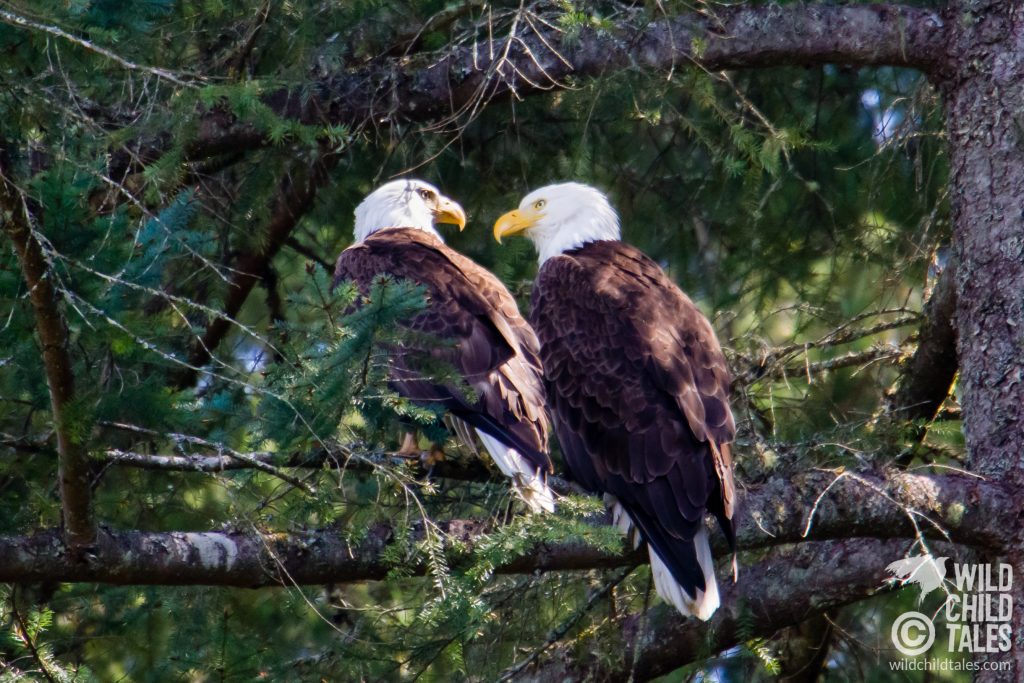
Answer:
x=637 y=386
x=495 y=350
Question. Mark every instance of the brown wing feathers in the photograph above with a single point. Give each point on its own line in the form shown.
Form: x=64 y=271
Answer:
x=496 y=350
x=638 y=390
x=636 y=382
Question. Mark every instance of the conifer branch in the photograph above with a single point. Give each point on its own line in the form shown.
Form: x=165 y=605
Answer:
x=13 y=19
x=51 y=328
x=23 y=632
x=349 y=458
x=296 y=199
x=341 y=457
x=537 y=57
x=810 y=369
x=786 y=588
x=816 y=506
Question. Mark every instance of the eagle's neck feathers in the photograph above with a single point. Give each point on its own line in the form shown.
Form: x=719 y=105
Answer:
x=589 y=224
x=373 y=215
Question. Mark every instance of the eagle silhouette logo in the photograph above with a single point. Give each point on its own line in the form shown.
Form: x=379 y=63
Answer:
x=926 y=571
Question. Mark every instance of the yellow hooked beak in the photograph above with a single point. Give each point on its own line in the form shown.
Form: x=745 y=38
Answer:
x=515 y=221
x=450 y=213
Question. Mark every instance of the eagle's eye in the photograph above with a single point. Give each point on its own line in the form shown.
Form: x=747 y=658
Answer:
x=539 y=204
x=425 y=193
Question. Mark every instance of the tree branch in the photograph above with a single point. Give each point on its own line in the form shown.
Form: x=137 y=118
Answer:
x=810 y=507
x=55 y=31
x=785 y=589
x=302 y=249
x=337 y=457
x=251 y=266
x=928 y=374
x=810 y=369
x=824 y=505
x=51 y=328
x=537 y=59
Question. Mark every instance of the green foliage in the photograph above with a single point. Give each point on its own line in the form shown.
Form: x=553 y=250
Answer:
x=340 y=364
x=26 y=637
x=778 y=199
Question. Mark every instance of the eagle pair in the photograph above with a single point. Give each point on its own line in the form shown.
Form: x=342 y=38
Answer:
x=627 y=367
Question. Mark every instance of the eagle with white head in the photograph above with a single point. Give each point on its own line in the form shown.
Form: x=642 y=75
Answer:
x=495 y=349
x=637 y=386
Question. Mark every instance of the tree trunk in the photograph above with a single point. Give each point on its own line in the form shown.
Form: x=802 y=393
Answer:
x=984 y=98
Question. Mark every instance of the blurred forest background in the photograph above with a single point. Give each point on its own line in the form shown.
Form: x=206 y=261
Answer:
x=188 y=214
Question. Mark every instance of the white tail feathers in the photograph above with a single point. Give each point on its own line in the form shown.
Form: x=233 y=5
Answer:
x=702 y=605
x=621 y=519
x=527 y=481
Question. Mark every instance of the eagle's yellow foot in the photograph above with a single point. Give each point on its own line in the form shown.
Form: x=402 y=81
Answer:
x=409 y=448
x=434 y=456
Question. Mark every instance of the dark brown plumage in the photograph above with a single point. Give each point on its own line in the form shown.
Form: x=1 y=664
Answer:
x=495 y=349
x=638 y=391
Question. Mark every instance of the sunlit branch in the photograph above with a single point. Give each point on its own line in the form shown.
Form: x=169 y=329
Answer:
x=778 y=363
x=809 y=507
x=13 y=19
x=847 y=360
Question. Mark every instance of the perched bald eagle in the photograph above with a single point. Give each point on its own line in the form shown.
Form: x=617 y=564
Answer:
x=495 y=350
x=637 y=386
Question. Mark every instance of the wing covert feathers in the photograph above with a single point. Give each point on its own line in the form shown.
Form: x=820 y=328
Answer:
x=495 y=349
x=638 y=389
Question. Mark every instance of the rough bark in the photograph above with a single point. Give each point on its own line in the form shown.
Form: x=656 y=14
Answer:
x=810 y=507
x=972 y=510
x=781 y=591
x=73 y=470
x=983 y=98
x=251 y=559
x=928 y=374
x=453 y=85
x=987 y=173
x=722 y=38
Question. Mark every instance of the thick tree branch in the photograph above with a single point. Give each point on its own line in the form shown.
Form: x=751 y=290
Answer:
x=52 y=331
x=783 y=590
x=928 y=373
x=535 y=59
x=811 y=507
x=821 y=505
x=250 y=559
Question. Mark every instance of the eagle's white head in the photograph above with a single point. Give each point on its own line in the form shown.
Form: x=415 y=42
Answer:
x=406 y=203
x=561 y=217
